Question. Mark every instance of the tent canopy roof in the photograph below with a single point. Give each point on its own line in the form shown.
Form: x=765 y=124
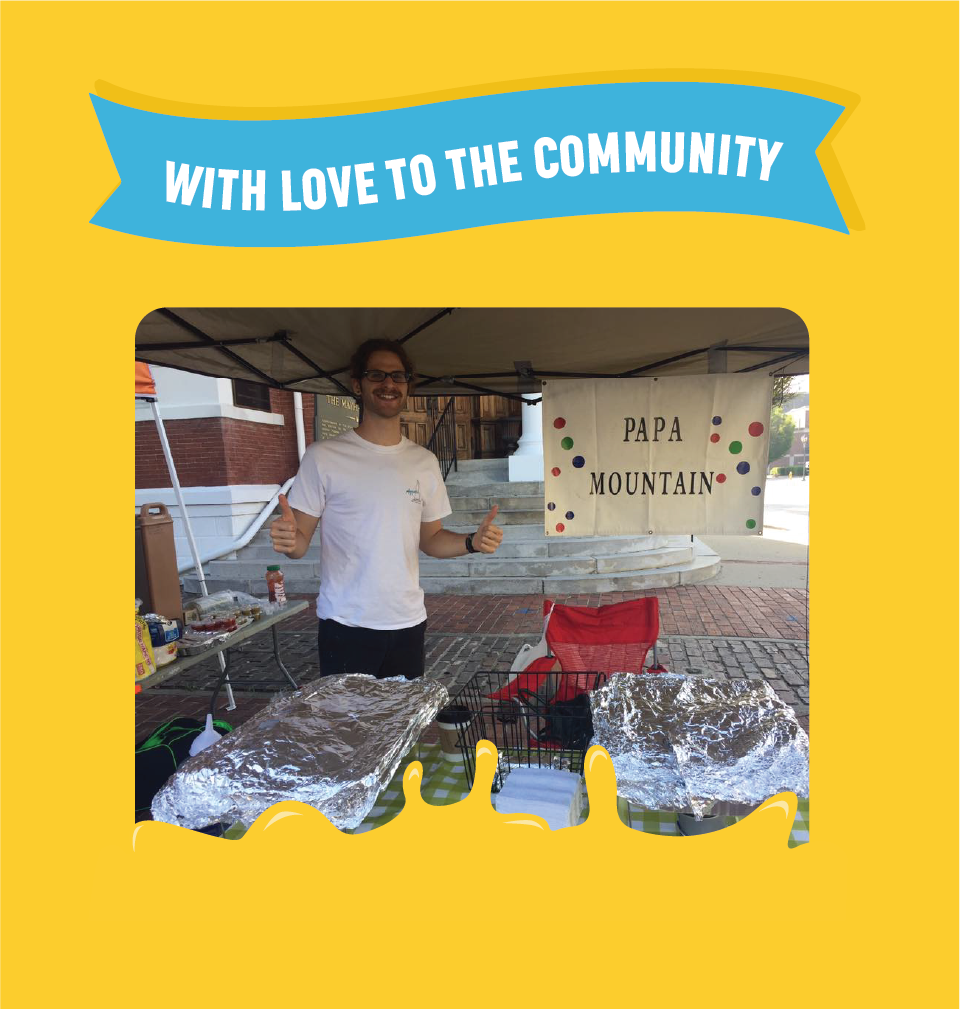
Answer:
x=470 y=350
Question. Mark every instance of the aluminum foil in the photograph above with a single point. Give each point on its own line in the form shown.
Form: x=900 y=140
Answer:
x=682 y=742
x=334 y=745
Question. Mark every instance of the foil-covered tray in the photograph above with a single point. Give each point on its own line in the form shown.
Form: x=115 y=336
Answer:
x=335 y=745
x=682 y=742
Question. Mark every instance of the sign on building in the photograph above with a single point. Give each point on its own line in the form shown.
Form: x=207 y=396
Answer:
x=655 y=455
x=336 y=414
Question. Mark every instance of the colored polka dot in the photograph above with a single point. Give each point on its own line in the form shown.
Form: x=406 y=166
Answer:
x=717 y=420
x=578 y=461
x=755 y=491
x=721 y=477
x=736 y=447
x=569 y=515
x=743 y=468
x=555 y=471
x=751 y=524
x=559 y=423
x=756 y=429
x=714 y=438
x=551 y=506
x=560 y=527
x=567 y=443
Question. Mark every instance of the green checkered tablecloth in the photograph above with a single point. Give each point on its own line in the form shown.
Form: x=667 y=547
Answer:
x=445 y=783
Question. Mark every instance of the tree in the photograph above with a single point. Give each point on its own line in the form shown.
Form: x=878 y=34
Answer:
x=782 y=389
x=781 y=433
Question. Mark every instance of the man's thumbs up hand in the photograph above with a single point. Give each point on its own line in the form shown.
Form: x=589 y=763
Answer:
x=488 y=536
x=283 y=531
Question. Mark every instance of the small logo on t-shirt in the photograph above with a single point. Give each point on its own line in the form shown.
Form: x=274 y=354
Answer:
x=414 y=494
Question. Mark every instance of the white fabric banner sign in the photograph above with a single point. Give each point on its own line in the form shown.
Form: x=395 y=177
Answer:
x=655 y=455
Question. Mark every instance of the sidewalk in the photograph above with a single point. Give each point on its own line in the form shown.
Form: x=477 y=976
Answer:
x=716 y=630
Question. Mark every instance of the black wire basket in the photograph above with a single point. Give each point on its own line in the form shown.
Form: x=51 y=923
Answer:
x=534 y=720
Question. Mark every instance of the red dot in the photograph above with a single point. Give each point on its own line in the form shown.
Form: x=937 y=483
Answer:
x=559 y=423
x=714 y=438
x=560 y=527
x=721 y=477
x=555 y=471
x=756 y=429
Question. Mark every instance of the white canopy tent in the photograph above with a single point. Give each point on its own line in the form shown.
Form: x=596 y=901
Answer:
x=464 y=351
x=473 y=351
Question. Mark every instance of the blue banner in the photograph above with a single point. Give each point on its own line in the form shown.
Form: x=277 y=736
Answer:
x=470 y=162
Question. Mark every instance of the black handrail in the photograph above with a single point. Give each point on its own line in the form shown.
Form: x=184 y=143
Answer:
x=443 y=441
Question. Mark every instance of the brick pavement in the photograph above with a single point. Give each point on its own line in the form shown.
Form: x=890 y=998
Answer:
x=732 y=611
x=158 y=706
x=725 y=631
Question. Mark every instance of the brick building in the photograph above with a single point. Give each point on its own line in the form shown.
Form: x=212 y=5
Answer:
x=235 y=444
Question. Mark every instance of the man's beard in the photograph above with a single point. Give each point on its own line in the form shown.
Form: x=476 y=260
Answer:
x=385 y=408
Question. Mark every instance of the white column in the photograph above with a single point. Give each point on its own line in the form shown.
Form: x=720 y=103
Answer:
x=527 y=462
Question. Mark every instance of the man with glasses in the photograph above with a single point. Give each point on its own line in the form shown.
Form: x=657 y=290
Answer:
x=381 y=498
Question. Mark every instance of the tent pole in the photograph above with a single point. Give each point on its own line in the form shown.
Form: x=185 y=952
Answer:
x=172 y=470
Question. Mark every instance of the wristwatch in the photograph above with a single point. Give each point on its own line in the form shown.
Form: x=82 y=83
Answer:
x=471 y=549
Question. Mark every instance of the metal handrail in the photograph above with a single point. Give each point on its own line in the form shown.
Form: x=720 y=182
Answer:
x=443 y=441
x=238 y=544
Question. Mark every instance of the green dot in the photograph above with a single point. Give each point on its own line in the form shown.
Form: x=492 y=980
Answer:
x=735 y=448
x=566 y=443
x=751 y=524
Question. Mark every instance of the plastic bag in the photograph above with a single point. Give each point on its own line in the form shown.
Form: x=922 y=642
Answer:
x=227 y=603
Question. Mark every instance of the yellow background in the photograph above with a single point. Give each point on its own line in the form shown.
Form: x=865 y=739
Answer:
x=863 y=915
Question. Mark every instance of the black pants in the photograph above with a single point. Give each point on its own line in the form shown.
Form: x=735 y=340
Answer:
x=362 y=650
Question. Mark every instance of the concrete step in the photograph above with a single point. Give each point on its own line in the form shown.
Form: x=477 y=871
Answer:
x=467 y=512
x=700 y=569
x=505 y=517
x=620 y=553
x=467 y=466
x=518 y=541
x=522 y=488
x=249 y=570
x=521 y=511
x=679 y=563
x=527 y=562
x=549 y=567
x=527 y=502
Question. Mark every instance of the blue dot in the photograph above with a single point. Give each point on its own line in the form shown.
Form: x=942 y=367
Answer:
x=551 y=506
x=578 y=461
x=717 y=420
x=755 y=491
x=569 y=515
x=743 y=468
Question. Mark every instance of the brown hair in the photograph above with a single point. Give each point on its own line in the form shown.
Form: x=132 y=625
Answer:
x=358 y=363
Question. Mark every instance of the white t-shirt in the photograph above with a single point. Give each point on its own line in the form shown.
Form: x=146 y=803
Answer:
x=370 y=500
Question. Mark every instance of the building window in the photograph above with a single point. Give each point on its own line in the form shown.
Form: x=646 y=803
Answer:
x=251 y=395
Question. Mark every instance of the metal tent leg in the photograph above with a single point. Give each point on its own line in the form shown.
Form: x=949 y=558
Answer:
x=231 y=702
x=276 y=655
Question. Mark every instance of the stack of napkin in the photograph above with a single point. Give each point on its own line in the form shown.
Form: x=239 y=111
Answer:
x=542 y=791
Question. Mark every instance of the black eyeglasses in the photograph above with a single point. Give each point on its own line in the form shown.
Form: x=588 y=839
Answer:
x=399 y=377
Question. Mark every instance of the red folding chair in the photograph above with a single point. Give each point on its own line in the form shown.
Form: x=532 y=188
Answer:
x=582 y=641
x=605 y=639
x=588 y=639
